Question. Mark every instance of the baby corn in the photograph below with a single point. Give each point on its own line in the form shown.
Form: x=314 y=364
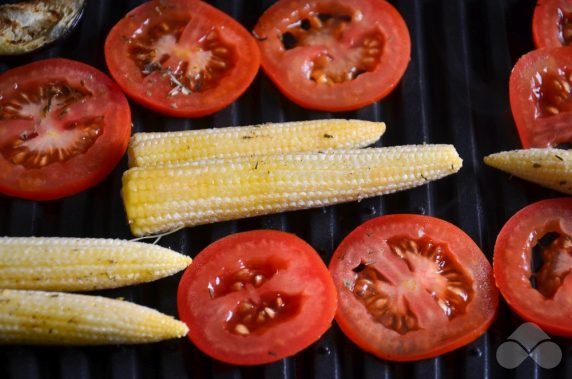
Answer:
x=151 y=149
x=53 y=318
x=81 y=264
x=159 y=199
x=550 y=168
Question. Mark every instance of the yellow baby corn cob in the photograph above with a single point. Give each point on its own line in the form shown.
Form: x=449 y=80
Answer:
x=150 y=149
x=54 y=318
x=550 y=168
x=81 y=264
x=158 y=199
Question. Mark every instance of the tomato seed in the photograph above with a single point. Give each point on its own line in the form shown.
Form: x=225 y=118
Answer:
x=221 y=50
x=237 y=286
x=270 y=312
x=552 y=110
x=244 y=307
x=241 y=329
x=258 y=279
x=279 y=302
x=379 y=303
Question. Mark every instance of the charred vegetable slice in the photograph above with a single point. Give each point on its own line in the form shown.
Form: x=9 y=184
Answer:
x=26 y=26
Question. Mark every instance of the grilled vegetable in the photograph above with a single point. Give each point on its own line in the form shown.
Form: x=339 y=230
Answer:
x=73 y=264
x=158 y=199
x=26 y=26
x=550 y=168
x=52 y=318
x=150 y=149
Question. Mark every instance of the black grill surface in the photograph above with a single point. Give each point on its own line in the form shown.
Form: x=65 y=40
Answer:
x=454 y=91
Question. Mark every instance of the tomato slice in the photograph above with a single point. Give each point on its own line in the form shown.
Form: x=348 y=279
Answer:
x=181 y=58
x=412 y=287
x=540 y=97
x=544 y=230
x=333 y=55
x=256 y=297
x=552 y=23
x=63 y=127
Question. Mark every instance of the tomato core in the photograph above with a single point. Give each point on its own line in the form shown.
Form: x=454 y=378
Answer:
x=556 y=264
x=50 y=131
x=339 y=64
x=387 y=293
x=191 y=56
x=552 y=92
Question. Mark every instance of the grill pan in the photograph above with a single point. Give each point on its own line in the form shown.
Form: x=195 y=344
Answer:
x=454 y=91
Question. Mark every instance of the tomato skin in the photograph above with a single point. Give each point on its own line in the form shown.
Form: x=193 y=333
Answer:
x=546 y=22
x=367 y=243
x=512 y=267
x=288 y=68
x=524 y=86
x=84 y=170
x=155 y=96
x=300 y=271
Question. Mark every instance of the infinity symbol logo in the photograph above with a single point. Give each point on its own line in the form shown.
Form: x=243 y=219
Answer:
x=528 y=340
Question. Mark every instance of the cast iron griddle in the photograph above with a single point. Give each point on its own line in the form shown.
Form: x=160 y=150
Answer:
x=454 y=91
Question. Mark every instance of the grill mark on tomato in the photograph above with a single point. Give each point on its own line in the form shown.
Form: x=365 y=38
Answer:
x=428 y=265
x=564 y=27
x=188 y=66
x=43 y=143
x=250 y=317
x=323 y=29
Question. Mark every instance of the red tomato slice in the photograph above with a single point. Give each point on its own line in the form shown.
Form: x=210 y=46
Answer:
x=412 y=287
x=181 y=58
x=63 y=127
x=546 y=304
x=256 y=297
x=333 y=55
x=552 y=23
x=540 y=97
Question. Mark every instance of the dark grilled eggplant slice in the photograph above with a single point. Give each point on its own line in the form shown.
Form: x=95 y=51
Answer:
x=26 y=26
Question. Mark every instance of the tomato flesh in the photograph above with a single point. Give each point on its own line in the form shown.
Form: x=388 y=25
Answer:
x=256 y=297
x=331 y=55
x=540 y=97
x=552 y=23
x=540 y=296
x=412 y=287
x=63 y=127
x=181 y=58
